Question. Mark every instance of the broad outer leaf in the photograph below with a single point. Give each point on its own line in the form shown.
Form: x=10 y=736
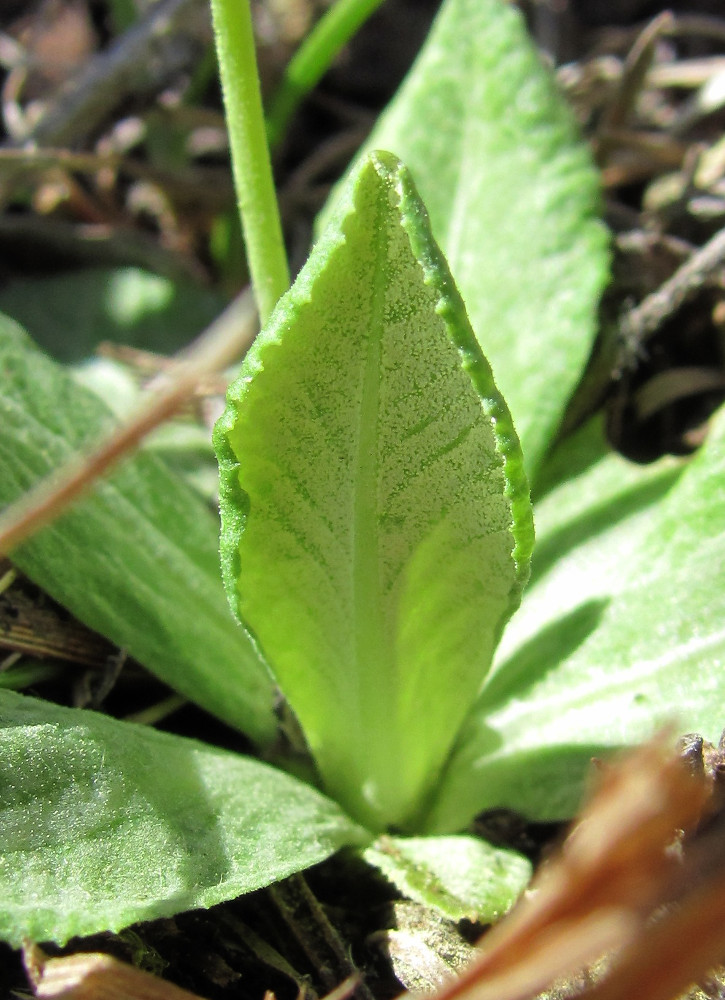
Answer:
x=621 y=630
x=137 y=560
x=513 y=198
x=372 y=489
x=103 y=823
x=461 y=877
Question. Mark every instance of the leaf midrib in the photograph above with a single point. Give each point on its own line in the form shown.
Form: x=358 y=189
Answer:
x=371 y=647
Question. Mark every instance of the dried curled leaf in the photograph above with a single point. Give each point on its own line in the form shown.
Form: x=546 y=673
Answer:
x=613 y=870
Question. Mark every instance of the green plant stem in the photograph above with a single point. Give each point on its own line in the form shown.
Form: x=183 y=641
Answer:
x=313 y=58
x=251 y=164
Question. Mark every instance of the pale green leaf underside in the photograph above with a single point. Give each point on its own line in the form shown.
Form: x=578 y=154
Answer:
x=513 y=198
x=620 y=631
x=367 y=516
x=460 y=877
x=103 y=823
x=137 y=560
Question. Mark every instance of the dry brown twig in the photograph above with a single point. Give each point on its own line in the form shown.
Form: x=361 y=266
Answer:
x=634 y=72
x=96 y=976
x=224 y=341
x=615 y=867
x=641 y=322
x=168 y=38
x=92 y=976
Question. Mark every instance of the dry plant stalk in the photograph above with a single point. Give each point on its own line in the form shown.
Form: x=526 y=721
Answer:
x=619 y=864
x=668 y=957
x=94 y=976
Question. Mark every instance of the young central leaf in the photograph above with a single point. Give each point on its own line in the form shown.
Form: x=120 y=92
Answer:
x=376 y=523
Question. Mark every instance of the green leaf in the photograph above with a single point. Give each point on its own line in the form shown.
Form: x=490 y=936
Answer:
x=28 y=672
x=460 y=877
x=137 y=560
x=620 y=631
x=376 y=523
x=69 y=314
x=103 y=823
x=513 y=199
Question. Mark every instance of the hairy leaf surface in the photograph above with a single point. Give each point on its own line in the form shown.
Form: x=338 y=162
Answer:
x=460 y=877
x=376 y=517
x=137 y=560
x=620 y=631
x=513 y=199
x=103 y=823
